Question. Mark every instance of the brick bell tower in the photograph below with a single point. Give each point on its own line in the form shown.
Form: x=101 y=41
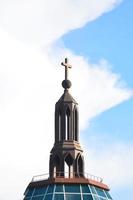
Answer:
x=66 y=179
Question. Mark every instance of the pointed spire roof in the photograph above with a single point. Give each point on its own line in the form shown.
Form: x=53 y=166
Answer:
x=67 y=97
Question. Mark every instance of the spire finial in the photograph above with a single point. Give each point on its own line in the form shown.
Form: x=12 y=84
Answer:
x=66 y=65
x=66 y=84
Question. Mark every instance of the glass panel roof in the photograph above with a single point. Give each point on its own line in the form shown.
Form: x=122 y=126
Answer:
x=87 y=197
x=108 y=195
x=48 y=197
x=67 y=192
x=50 y=189
x=72 y=188
x=59 y=197
x=73 y=196
x=85 y=189
x=100 y=192
x=39 y=191
x=59 y=188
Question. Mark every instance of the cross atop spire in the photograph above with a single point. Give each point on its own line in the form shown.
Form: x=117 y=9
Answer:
x=66 y=65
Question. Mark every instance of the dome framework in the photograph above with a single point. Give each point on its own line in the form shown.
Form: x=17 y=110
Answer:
x=67 y=192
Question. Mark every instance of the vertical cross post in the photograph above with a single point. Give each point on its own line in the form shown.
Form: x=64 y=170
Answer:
x=66 y=65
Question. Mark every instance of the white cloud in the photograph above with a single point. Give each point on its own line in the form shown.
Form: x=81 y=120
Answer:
x=112 y=161
x=30 y=84
x=44 y=21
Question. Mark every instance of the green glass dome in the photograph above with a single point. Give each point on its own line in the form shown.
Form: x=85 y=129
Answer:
x=67 y=192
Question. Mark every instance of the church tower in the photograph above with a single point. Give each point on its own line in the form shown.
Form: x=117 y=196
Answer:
x=66 y=159
x=66 y=179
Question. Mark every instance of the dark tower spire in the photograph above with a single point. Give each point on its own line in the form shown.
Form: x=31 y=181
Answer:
x=66 y=179
x=66 y=159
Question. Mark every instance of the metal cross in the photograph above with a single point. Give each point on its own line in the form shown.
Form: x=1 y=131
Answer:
x=66 y=65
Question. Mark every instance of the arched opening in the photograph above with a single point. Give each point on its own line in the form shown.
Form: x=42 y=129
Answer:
x=58 y=116
x=59 y=125
x=67 y=118
x=68 y=166
x=79 y=166
x=76 y=125
x=66 y=172
x=57 y=164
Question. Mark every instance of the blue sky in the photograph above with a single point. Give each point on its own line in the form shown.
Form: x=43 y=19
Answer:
x=35 y=37
x=110 y=37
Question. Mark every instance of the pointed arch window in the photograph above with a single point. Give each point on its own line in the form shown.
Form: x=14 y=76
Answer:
x=59 y=125
x=79 y=166
x=67 y=122
x=57 y=166
x=75 y=124
x=68 y=165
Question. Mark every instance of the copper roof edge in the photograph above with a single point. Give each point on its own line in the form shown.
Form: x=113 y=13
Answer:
x=61 y=180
